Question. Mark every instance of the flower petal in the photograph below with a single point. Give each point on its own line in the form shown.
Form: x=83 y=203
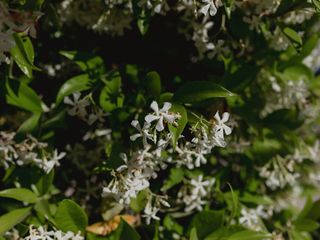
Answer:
x=150 y=118
x=154 y=106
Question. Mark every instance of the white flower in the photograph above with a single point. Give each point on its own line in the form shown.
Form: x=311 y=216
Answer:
x=41 y=233
x=249 y=218
x=150 y=212
x=78 y=105
x=221 y=128
x=143 y=132
x=160 y=115
x=199 y=187
x=210 y=6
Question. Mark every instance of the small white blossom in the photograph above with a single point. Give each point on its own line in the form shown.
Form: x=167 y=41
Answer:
x=210 y=6
x=220 y=127
x=161 y=115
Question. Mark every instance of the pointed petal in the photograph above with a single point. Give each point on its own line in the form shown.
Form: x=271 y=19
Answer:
x=204 y=10
x=227 y=129
x=166 y=107
x=160 y=126
x=154 y=106
x=225 y=117
x=150 y=118
x=136 y=124
x=135 y=136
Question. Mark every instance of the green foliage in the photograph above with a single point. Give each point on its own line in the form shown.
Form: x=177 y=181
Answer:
x=20 y=194
x=70 y=217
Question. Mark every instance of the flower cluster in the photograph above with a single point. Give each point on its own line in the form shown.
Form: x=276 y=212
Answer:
x=29 y=151
x=43 y=234
x=158 y=152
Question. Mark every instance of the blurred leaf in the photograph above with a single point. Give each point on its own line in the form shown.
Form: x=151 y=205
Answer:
x=45 y=182
x=124 y=232
x=193 y=234
x=250 y=235
x=175 y=177
x=307 y=225
x=172 y=225
x=153 y=84
x=86 y=61
x=137 y=204
x=30 y=125
x=293 y=35
x=71 y=217
x=193 y=92
x=9 y=220
x=224 y=232
x=22 y=96
x=206 y=222
x=76 y=84
x=20 y=194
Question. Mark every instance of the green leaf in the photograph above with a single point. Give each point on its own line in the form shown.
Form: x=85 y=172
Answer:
x=193 y=92
x=193 y=234
x=293 y=35
x=206 y=222
x=20 y=194
x=316 y=3
x=176 y=131
x=137 y=204
x=153 y=84
x=314 y=213
x=124 y=232
x=175 y=177
x=250 y=235
x=23 y=54
x=42 y=207
x=21 y=95
x=45 y=182
x=75 y=84
x=86 y=61
x=224 y=232
x=30 y=125
x=172 y=225
x=110 y=96
x=307 y=225
x=71 y=217
x=9 y=220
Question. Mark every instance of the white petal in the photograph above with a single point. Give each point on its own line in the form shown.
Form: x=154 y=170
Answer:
x=217 y=117
x=227 y=129
x=169 y=118
x=135 y=136
x=154 y=106
x=67 y=100
x=160 y=126
x=166 y=107
x=136 y=124
x=225 y=117
x=150 y=118
x=204 y=10
x=213 y=10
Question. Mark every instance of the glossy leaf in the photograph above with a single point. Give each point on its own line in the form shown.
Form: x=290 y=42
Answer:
x=20 y=194
x=71 y=217
x=193 y=92
x=9 y=220
x=75 y=84
x=21 y=95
